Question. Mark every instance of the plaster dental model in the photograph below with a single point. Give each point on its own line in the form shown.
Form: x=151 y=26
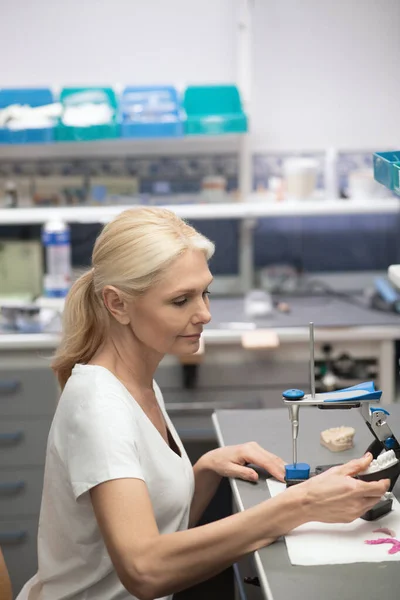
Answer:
x=384 y=461
x=338 y=439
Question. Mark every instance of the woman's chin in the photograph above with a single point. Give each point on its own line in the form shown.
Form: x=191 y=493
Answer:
x=187 y=348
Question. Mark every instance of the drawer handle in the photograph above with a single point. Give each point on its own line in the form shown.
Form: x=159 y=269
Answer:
x=12 y=537
x=252 y=581
x=11 y=438
x=7 y=386
x=11 y=487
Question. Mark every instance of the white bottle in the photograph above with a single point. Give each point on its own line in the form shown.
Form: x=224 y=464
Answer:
x=331 y=174
x=57 y=244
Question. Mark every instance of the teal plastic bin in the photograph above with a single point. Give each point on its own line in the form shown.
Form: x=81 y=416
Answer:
x=213 y=110
x=387 y=169
x=88 y=114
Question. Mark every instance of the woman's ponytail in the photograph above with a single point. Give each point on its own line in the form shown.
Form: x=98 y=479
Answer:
x=84 y=327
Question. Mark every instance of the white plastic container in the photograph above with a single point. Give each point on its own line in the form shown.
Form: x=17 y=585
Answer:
x=300 y=176
x=57 y=244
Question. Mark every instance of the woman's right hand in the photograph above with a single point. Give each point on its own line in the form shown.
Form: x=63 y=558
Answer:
x=336 y=497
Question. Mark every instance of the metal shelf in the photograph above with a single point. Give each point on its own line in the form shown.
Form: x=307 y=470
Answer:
x=183 y=146
x=229 y=210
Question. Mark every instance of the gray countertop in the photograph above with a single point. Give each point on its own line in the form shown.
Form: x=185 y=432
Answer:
x=323 y=310
x=334 y=319
x=280 y=580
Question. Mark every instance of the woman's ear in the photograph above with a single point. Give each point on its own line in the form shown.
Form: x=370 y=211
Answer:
x=115 y=304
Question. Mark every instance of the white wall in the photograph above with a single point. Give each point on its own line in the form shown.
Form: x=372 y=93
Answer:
x=326 y=72
x=128 y=41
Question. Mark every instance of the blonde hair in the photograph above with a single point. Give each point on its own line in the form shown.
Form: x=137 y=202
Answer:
x=131 y=253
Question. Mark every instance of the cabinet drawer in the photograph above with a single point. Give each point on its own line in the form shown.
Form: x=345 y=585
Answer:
x=251 y=374
x=20 y=492
x=23 y=443
x=27 y=392
x=18 y=541
x=235 y=376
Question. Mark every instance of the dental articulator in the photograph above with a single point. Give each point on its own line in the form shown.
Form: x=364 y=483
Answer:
x=384 y=448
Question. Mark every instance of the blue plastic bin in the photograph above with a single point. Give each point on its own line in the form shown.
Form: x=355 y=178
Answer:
x=32 y=97
x=213 y=110
x=387 y=169
x=75 y=97
x=150 y=112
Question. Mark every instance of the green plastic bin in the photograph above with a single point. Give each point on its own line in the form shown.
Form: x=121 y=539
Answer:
x=213 y=110
x=97 y=100
x=387 y=169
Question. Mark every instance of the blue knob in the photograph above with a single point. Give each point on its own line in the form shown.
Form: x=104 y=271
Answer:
x=297 y=471
x=389 y=443
x=293 y=394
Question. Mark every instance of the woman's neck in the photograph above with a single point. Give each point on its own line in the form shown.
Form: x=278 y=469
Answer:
x=129 y=360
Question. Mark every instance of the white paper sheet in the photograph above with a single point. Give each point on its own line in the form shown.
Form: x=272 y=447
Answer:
x=337 y=544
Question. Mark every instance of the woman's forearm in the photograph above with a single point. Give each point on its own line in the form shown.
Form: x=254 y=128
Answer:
x=5 y=583
x=174 y=561
x=206 y=484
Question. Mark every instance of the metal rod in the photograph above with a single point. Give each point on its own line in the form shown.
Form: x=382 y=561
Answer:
x=294 y=417
x=312 y=361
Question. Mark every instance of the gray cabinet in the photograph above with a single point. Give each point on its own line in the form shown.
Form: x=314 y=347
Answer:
x=28 y=396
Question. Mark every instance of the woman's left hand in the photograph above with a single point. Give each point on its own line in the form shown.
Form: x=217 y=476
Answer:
x=231 y=461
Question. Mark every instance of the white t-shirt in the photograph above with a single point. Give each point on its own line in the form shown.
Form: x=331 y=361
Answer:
x=99 y=432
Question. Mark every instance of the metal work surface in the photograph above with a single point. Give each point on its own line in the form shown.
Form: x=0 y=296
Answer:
x=279 y=579
x=324 y=311
x=228 y=317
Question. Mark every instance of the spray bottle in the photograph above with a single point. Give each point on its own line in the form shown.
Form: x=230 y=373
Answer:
x=57 y=244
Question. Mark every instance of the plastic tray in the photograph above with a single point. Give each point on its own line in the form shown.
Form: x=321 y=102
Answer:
x=387 y=169
x=74 y=97
x=213 y=110
x=32 y=97
x=150 y=112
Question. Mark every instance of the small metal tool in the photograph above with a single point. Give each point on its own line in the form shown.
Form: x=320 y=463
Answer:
x=294 y=408
x=294 y=417
x=312 y=361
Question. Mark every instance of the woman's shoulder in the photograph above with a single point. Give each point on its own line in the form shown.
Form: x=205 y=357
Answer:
x=93 y=386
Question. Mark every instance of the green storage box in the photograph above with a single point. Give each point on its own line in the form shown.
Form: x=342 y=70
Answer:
x=387 y=169
x=213 y=110
x=87 y=114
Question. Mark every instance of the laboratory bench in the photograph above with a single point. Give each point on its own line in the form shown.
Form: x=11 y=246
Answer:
x=226 y=376
x=270 y=566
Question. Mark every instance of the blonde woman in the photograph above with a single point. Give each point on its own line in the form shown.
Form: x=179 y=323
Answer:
x=120 y=498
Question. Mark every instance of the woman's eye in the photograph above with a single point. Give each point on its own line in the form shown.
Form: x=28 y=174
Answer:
x=180 y=302
x=185 y=300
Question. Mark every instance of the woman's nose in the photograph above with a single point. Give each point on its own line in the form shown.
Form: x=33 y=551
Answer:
x=203 y=316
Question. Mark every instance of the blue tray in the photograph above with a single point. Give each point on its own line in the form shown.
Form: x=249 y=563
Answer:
x=150 y=112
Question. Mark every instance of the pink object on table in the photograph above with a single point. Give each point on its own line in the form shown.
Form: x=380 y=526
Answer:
x=385 y=530
x=395 y=544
